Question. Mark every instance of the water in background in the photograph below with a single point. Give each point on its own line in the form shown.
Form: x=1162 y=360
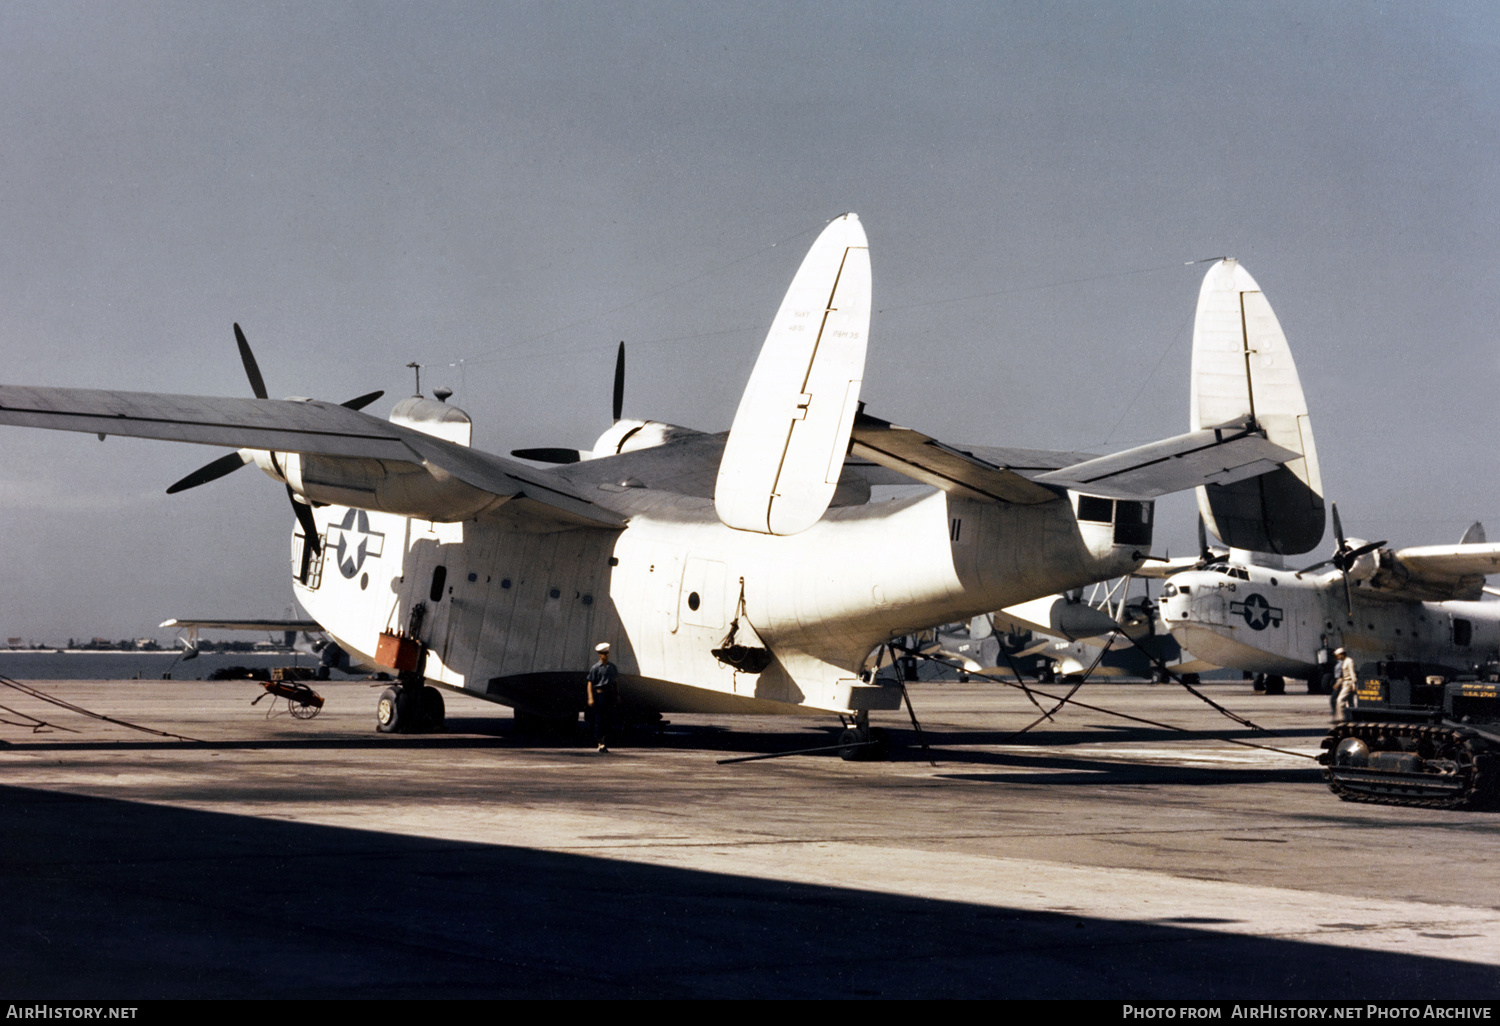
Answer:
x=53 y=665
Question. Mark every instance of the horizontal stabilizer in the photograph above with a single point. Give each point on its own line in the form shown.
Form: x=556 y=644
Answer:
x=1219 y=456
x=930 y=462
x=341 y=449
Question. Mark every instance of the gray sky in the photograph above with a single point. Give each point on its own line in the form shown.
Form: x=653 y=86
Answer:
x=503 y=191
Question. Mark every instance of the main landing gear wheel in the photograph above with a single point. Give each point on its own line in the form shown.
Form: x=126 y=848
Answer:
x=391 y=711
x=409 y=708
x=867 y=744
x=433 y=712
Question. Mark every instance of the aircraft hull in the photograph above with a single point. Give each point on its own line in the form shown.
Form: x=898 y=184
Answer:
x=513 y=615
x=1249 y=623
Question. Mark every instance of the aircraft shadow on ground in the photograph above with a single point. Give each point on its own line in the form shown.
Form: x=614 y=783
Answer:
x=117 y=899
x=1055 y=764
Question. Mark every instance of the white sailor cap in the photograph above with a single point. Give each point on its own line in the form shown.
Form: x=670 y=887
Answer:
x=603 y=646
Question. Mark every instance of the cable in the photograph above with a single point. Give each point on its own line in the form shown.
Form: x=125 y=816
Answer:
x=36 y=725
x=1076 y=685
x=1126 y=716
x=26 y=689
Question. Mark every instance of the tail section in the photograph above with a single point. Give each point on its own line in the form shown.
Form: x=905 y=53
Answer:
x=786 y=449
x=1243 y=368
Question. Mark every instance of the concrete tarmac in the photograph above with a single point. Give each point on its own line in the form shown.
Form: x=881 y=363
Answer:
x=1092 y=857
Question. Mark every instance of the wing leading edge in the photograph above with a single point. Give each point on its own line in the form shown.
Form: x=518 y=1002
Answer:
x=1221 y=455
x=336 y=454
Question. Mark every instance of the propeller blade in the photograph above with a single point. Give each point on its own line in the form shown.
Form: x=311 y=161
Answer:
x=1338 y=528
x=360 y=402
x=1348 y=595
x=252 y=371
x=1363 y=549
x=1315 y=566
x=211 y=472
x=619 y=403
x=305 y=518
x=1204 y=556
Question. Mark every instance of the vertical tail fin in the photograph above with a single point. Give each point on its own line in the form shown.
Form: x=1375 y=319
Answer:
x=786 y=449
x=1243 y=368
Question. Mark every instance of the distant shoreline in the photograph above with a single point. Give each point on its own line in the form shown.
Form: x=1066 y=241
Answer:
x=142 y=652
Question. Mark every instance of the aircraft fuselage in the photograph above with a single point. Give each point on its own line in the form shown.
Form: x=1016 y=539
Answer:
x=1265 y=620
x=514 y=615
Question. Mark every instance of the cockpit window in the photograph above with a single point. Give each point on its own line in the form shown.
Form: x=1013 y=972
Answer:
x=1169 y=591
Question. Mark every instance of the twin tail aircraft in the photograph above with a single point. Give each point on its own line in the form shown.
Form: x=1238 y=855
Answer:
x=738 y=572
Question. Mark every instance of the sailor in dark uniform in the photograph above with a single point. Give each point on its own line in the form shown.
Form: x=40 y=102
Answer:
x=603 y=695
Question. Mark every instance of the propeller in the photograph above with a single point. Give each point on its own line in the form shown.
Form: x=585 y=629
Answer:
x=1343 y=558
x=233 y=461
x=553 y=454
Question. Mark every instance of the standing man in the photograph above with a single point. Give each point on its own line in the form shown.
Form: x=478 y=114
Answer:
x=603 y=695
x=1344 y=684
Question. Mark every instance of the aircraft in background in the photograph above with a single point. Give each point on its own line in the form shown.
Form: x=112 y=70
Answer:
x=744 y=572
x=1419 y=604
x=313 y=642
x=1126 y=627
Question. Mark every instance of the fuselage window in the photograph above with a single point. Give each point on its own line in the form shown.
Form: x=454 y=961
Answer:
x=1463 y=632
x=1096 y=510
x=439 y=581
x=1132 y=522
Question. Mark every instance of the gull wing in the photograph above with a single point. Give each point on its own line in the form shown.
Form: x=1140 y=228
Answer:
x=1438 y=572
x=336 y=435
x=1449 y=562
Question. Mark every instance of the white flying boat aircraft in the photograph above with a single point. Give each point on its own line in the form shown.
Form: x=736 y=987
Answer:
x=1418 y=604
x=744 y=572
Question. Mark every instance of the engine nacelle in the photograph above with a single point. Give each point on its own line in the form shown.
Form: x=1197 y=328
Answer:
x=406 y=489
x=1367 y=565
x=630 y=435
